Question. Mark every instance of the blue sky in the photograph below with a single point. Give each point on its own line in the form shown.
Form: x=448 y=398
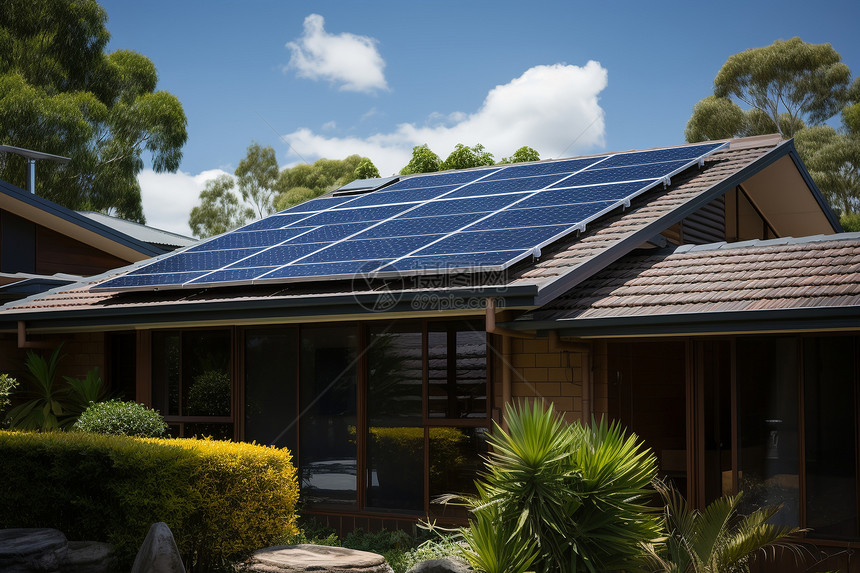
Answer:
x=376 y=78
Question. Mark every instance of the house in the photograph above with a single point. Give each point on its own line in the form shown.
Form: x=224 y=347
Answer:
x=44 y=245
x=713 y=310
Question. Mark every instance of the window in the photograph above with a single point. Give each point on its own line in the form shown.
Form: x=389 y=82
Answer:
x=271 y=387
x=191 y=381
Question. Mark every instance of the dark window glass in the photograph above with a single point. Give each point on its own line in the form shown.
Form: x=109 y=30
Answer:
x=767 y=380
x=328 y=415
x=123 y=364
x=717 y=403
x=206 y=373
x=831 y=495
x=395 y=434
x=455 y=460
x=457 y=371
x=191 y=377
x=165 y=373
x=271 y=360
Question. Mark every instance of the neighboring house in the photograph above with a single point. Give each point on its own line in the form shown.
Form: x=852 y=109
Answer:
x=44 y=245
x=715 y=316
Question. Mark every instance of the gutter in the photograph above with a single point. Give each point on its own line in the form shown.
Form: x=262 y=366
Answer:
x=704 y=323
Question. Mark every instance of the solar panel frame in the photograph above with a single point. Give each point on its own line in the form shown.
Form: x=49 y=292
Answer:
x=347 y=217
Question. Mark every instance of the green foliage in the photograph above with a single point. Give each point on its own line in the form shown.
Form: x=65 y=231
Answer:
x=464 y=157
x=7 y=385
x=423 y=161
x=61 y=93
x=717 y=540
x=833 y=160
x=219 y=209
x=209 y=394
x=257 y=174
x=222 y=500
x=293 y=197
x=521 y=155
x=366 y=170
x=560 y=497
x=50 y=406
x=304 y=181
x=850 y=223
x=119 y=418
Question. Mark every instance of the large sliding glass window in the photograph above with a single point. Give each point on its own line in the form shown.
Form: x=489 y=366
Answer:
x=271 y=388
x=767 y=381
x=328 y=414
x=830 y=436
x=191 y=381
x=395 y=426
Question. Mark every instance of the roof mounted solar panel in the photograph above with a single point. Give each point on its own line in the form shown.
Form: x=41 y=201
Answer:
x=477 y=220
x=363 y=186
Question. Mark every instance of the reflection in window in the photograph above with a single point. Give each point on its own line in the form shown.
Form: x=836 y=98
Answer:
x=328 y=415
x=831 y=495
x=457 y=371
x=455 y=460
x=270 y=387
x=395 y=434
x=191 y=378
x=767 y=389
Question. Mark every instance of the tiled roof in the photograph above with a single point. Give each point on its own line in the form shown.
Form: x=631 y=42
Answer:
x=560 y=267
x=778 y=274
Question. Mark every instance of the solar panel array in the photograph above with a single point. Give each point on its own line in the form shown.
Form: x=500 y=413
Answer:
x=460 y=221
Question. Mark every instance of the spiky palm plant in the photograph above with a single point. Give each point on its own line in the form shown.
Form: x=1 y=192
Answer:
x=716 y=540
x=560 y=497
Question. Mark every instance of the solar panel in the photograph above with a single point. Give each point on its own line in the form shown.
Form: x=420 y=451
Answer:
x=461 y=221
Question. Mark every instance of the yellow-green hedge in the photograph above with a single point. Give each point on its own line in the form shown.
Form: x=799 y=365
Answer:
x=222 y=500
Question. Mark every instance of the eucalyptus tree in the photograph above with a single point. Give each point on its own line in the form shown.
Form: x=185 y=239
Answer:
x=62 y=93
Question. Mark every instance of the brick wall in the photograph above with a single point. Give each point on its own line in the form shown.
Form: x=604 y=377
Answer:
x=81 y=352
x=539 y=372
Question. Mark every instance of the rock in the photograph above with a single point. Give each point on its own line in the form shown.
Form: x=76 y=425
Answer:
x=443 y=565
x=304 y=558
x=159 y=553
x=89 y=557
x=31 y=550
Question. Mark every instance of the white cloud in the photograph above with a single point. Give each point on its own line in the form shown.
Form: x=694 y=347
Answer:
x=169 y=197
x=547 y=108
x=346 y=59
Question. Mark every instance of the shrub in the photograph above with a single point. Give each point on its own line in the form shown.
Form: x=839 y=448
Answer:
x=222 y=500
x=121 y=419
x=7 y=384
x=559 y=497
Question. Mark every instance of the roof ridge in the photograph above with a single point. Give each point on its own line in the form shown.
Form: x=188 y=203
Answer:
x=751 y=243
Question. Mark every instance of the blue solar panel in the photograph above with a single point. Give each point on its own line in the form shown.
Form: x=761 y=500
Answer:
x=320 y=204
x=434 y=180
x=591 y=194
x=535 y=169
x=250 y=239
x=159 y=280
x=457 y=206
x=446 y=263
x=423 y=226
x=232 y=275
x=658 y=155
x=277 y=256
x=481 y=241
x=405 y=196
x=475 y=220
x=568 y=215
x=507 y=186
x=354 y=215
x=344 y=269
x=197 y=261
